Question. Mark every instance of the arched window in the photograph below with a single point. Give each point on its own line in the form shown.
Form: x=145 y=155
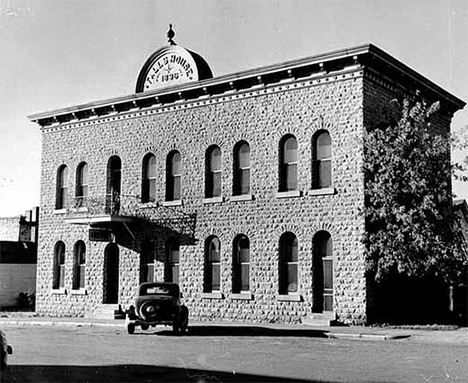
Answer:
x=147 y=262
x=171 y=269
x=241 y=264
x=322 y=266
x=79 y=265
x=148 y=187
x=61 y=187
x=288 y=262
x=114 y=174
x=322 y=160
x=173 y=176
x=81 y=191
x=288 y=164
x=213 y=172
x=59 y=266
x=241 y=169
x=212 y=280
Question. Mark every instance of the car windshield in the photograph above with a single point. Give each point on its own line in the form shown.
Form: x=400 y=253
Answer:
x=157 y=290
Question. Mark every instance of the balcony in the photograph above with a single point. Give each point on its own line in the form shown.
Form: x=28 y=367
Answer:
x=106 y=208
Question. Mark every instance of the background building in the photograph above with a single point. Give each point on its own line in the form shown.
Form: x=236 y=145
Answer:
x=246 y=189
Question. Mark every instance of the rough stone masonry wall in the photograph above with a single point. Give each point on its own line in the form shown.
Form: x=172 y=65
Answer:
x=261 y=121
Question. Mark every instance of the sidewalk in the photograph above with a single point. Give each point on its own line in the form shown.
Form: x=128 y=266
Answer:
x=425 y=334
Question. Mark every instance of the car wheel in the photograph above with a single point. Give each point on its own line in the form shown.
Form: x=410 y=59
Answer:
x=131 y=328
x=145 y=327
x=176 y=326
x=183 y=319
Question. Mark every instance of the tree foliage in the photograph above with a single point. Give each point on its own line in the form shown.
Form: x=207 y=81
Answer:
x=408 y=199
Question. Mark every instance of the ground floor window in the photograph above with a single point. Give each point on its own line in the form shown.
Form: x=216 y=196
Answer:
x=59 y=266
x=288 y=264
x=212 y=277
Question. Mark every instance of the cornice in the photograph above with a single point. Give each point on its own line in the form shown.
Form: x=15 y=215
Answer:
x=324 y=65
x=205 y=100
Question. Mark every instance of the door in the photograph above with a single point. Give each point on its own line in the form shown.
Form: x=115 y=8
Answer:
x=114 y=171
x=322 y=275
x=111 y=274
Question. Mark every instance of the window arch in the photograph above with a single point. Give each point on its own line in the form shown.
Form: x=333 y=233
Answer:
x=213 y=172
x=59 y=266
x=212 y=278
x=288 y=163
x=61 y=187
x=147 y=262
x=322 y=160
x=322 y=266
x=79 y=265
x=171 y=269
x=288 y=264
x=241 y=264
x=81 y=191
x=241 y=184
x=148 y=187
x=173 y=176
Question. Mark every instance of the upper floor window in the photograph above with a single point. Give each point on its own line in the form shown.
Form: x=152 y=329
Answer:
x=61 y=187
x=147 y=262
x=212 y=280
x=81 y=191
x=148 y=189
x=241 y=264
x=58 y=281
x=171 y=269
x=213 y=172
x=173 y=176
x=322 y=153
x=79 y=265
x=288 y=164
x=288 y=262
x=241 y=169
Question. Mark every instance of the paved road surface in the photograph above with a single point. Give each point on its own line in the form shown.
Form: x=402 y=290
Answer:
x=223 y=354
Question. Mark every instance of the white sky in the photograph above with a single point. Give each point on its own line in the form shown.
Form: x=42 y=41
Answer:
x=55 y=54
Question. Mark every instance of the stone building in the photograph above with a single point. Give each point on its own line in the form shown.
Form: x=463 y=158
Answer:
x=246 y=189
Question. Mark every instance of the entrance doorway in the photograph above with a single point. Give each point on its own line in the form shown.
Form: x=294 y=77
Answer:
x=322 y=275
x=111 y=274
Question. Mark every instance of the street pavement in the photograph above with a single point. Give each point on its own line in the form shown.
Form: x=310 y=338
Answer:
x=431 y=334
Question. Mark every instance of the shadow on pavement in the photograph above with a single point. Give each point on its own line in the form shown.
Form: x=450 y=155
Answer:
x=129 y=373
x=212 y=330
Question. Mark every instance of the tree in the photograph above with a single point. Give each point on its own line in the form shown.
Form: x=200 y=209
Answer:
x=408 y=199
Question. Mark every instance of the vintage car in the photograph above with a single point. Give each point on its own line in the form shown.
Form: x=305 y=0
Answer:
x=4 y=350
x=157 y=303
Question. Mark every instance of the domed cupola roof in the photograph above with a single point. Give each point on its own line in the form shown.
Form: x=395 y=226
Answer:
x=171 y=65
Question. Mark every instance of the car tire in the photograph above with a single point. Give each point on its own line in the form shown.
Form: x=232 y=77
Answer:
x=145 y=327
x=131 y=328
x=175 y=326
x=183 y=319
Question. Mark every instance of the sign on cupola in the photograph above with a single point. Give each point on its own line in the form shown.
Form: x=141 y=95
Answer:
x=171 y=65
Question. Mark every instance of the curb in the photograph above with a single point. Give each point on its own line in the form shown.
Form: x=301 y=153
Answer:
x=338 y=335
x=59 y=324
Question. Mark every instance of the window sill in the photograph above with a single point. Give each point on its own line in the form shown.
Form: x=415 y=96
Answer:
x=289 y=194
x=147 y=205
x=177 y=202
x=60 y=211
x=324 y=191
x=61 y=291
x=242 y=296
x=79 y=292
x=212 y=296
x=213 y=200
x=289 y=297
x=242 y=197
x=79 y=210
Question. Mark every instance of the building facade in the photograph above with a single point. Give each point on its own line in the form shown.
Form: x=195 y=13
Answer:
x=246 y=189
